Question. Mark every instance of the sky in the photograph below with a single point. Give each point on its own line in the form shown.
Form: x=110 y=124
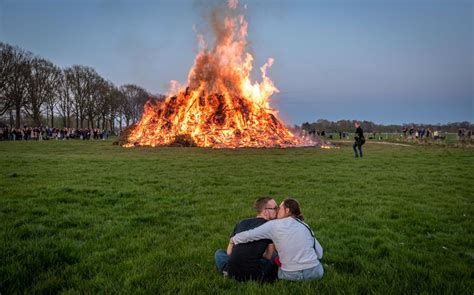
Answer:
x=387 y=61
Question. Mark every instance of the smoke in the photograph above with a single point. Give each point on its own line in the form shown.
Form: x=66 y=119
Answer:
x=223 y=61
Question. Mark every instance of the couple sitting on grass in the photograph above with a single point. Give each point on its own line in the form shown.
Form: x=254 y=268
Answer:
x=275 y=243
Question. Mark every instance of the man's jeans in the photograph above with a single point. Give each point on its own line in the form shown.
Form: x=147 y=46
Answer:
x=222 y=259
x=314 y=273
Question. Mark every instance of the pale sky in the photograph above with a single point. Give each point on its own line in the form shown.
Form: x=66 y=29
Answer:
x=387 y=61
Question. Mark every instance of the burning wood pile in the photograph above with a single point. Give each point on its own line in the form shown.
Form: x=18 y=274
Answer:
x=221 y=107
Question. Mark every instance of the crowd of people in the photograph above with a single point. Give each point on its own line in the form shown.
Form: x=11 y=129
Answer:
x=420 y=133
x=407 y=133
x=428 y=133
x=47 y=133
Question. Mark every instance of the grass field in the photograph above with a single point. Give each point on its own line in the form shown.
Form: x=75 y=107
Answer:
x=90 y=217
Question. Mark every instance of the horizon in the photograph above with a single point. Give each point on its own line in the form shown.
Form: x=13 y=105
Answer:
x=389 y=62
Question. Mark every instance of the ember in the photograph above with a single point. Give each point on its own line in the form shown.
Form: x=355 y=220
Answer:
x=221 y=107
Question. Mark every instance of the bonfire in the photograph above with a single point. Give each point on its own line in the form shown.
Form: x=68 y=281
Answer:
x=220 y=106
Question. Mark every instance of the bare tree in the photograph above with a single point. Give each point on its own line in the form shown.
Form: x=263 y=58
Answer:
x=75 y=82
x=65 y=101
x=95 y=97
x=101 y=104
x=106 y=104
x=135 y=99
x=42 y=83
x=116 y=100
x=80 y=80
x=7 y=67
x=34 y=85
x=55 y=94
x=14 y=72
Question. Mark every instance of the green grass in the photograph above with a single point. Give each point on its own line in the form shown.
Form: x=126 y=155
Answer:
x=90 y=217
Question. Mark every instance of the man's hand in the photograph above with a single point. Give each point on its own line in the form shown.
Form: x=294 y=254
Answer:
x=230 y=246
x=269 y=251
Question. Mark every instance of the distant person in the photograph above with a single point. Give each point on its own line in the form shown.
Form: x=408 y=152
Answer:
x=250 y=261
x=461 y=134
x=298 y=249
x=412 y=132
x=359 y=140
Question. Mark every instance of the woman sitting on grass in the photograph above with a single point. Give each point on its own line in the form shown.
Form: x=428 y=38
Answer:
x=299 y=251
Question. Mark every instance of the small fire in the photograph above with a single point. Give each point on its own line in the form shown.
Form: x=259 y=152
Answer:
x=221 y=106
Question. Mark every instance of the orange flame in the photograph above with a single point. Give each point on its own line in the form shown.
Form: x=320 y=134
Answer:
x=221 y=107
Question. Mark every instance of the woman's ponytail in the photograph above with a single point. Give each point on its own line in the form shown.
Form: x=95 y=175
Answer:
x=294 y=208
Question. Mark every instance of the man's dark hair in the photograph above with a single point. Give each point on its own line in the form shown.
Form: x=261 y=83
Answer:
x=294 y=207
x=260 y=203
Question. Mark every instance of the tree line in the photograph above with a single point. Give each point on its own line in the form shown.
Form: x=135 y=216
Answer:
x=34 y=88
x=368 y=126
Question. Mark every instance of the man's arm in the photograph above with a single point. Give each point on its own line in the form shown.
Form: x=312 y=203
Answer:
x=269 y=251
x=231 y=243
x=229 y=247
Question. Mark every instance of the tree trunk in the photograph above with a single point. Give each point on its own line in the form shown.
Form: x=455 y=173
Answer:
x=112 y=125
x=18 y=115
x=36 y=118
x=12 y=121
x=92 y=122
x=52 y=118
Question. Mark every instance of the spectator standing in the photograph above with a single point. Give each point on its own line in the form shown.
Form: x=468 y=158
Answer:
x=359 y=140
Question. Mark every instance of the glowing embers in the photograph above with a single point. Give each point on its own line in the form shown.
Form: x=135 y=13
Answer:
x=216 y=120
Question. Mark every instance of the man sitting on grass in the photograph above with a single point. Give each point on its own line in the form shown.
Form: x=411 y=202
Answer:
x=250 y=261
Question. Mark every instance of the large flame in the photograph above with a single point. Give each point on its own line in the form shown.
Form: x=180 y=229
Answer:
x=221 y=107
